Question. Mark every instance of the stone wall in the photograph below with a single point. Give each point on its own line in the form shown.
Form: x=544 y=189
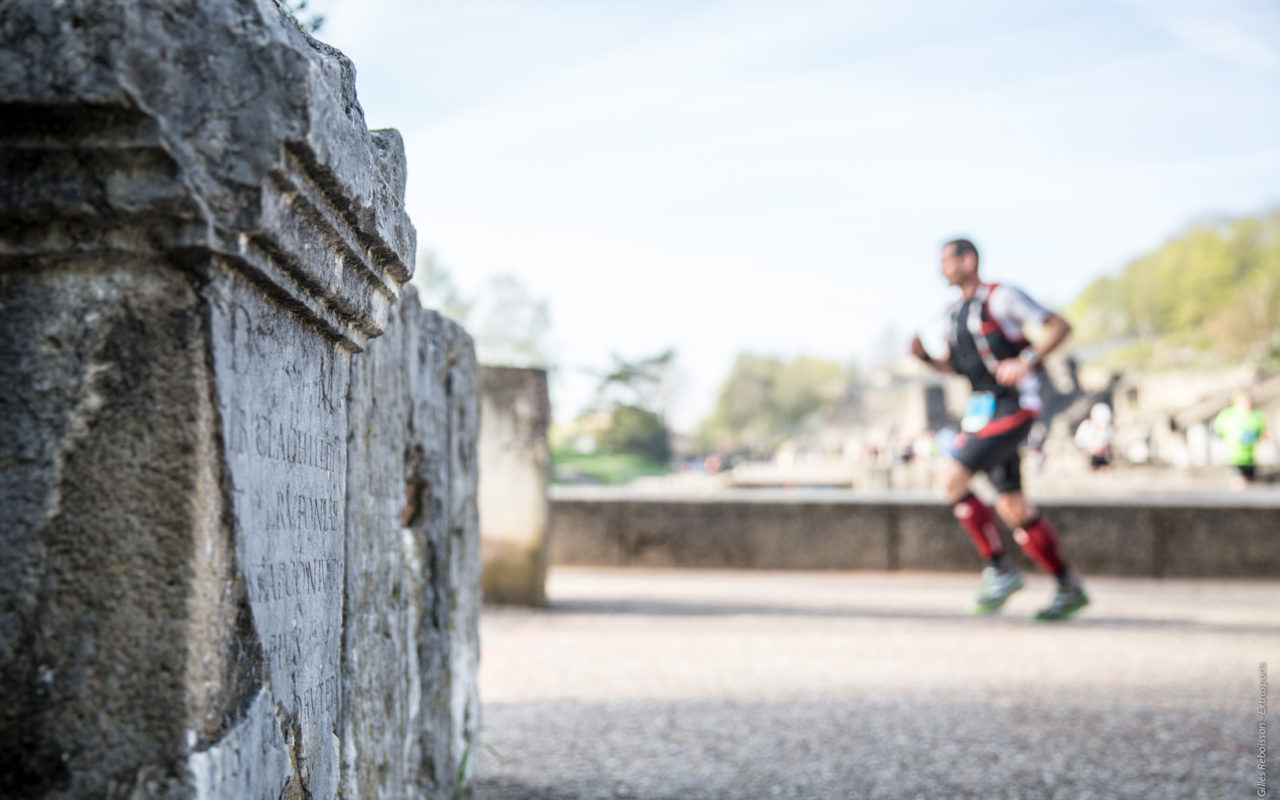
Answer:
x=1182 y=536
x=411 y=638
x=515 y=467
x=238 y=555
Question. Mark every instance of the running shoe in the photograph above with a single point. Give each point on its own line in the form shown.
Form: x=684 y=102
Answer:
x=995 y=589
x=1066 y=602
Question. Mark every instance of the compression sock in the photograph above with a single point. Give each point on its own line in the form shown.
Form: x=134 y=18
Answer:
x=977 y=521
x=1039 y=541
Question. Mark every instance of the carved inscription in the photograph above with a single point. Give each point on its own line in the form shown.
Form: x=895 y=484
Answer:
x=295 y=511
x=282 y=389
x=247 y=346
x=293 y=446
x=318 y=702
x=288 y=651
x=282 y=580
x=271 y=439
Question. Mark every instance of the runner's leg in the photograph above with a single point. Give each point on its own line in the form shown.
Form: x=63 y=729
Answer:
x=973 y=515
x=1033 y=533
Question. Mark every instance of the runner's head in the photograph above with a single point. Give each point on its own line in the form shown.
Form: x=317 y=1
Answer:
x=959 y=262
x=1244 y=399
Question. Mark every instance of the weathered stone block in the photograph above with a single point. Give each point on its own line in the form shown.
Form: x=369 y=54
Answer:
x=117 y=610
x=412 y=612
x=515 y=467
x=197 y=232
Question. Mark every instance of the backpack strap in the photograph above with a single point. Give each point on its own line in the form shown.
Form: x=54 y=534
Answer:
x=992 y=325
x=981 y=326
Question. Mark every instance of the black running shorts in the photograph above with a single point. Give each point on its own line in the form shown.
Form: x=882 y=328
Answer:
x=994 y=449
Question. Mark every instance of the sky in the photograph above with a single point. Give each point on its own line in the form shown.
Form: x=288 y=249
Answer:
x=777 y=178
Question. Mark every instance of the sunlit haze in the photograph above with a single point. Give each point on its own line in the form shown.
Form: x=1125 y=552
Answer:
x=777 y=177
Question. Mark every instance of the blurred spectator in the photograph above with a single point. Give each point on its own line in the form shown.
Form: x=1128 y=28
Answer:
x=924 y=447
x=945 y=441
x=1095 y=434
x=1241 y=428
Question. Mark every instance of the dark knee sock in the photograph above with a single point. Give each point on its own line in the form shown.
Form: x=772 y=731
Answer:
x=1039 y=540
x=977 y=520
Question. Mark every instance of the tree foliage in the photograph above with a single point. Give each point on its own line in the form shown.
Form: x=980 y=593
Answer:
x=1215 y=285
x=636 y=430
x=633 y=392
x=764 y=399
x=438 y=290
x=511 y=326
x=309 y=22
x=644 y=382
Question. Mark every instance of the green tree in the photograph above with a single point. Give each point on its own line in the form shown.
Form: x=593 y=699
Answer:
x=765 y=399
x=311 y=23
x=1214 y=285
x=643 y=382
x=636 y=430
x=745 y=412
x=808 y=385
x=1100 y=311
x=634 y=394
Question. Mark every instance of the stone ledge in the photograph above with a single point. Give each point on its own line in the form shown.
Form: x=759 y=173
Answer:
x=1188 y=535
x=1205 y=499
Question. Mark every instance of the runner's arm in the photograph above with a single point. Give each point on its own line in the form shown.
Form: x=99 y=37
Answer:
x=940 y=364
x=1012 y=370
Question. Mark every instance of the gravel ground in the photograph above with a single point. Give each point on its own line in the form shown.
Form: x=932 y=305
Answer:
x=691 y=684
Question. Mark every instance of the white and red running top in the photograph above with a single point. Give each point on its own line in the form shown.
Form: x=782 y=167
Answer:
x=987 y=328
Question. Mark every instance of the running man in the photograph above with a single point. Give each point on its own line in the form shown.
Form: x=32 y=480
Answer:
x=985 y=344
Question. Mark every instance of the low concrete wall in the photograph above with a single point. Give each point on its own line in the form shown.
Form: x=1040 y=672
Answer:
x=1190 y=536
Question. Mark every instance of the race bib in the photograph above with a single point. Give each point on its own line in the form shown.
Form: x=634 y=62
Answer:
x=978 y=412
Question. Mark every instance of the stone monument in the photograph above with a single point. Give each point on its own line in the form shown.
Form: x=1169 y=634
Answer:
x=199 y=237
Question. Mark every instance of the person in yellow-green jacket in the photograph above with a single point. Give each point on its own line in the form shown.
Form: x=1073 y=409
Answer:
x=1241 y=428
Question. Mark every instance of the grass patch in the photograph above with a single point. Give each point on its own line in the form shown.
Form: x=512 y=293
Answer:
x=613 y=469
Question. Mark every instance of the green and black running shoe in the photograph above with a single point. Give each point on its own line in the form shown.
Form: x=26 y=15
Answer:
x=1066 y=602
x=996 y=588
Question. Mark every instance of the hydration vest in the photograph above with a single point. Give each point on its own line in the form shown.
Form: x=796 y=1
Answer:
x=978 y=344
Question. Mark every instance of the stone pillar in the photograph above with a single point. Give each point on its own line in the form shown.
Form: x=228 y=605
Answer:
x=198 y=236
x=515 y=513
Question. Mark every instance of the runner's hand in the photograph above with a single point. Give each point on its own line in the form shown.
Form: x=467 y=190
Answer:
x=1012 y=370
x=917 y=348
